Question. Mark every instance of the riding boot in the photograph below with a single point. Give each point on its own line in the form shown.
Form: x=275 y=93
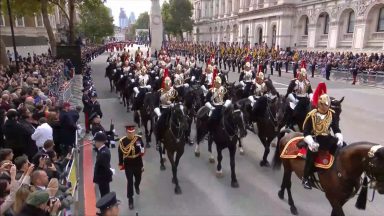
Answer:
x=130 y=203
x=308 y=169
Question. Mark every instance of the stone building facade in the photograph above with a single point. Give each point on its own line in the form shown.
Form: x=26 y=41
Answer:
x=312 y=24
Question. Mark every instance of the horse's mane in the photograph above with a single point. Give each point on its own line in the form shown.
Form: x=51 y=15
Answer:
x=269 y=84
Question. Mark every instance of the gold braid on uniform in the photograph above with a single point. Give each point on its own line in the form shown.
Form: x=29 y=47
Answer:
x=319 y=126
x=129 y=150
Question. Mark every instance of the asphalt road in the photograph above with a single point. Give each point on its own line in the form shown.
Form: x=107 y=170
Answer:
x=205 y=194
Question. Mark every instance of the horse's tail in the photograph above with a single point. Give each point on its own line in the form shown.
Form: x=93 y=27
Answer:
x=276 y=157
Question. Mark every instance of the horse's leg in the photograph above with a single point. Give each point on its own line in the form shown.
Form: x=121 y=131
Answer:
x=211 y=157
x=174 y=171
x=232 y=154
x=219 y=171
x=147 y=135
x=111 y=84
x=241 y=147
x=266 y=145
x=162 y=167
x=288 y=176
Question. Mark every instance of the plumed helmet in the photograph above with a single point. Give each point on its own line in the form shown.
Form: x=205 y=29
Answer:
x=324 y=99
x=218 y=80
x=303 y=72
x=143 y=70
x=168 y=82
x=260 y=75
x=248 y=65
x=178 y=67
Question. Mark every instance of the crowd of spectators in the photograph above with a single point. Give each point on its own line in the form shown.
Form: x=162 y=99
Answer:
x=37 y=135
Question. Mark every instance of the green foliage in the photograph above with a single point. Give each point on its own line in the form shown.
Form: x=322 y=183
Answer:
x=142 y=21
x=177 y=16
x=96 y=23
x=21 y=7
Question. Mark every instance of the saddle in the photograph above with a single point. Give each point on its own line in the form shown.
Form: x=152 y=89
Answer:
x=202 y=112
x=297 y=148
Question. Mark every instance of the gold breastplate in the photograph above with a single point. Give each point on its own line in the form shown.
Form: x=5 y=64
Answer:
x=321 y=123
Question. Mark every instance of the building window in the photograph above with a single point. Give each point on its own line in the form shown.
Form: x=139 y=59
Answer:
x=306 y=26
x=380 y=24
x=326 y=24
x=39 y=20
x=351 y=22
x=19 y=21
x=2 y=22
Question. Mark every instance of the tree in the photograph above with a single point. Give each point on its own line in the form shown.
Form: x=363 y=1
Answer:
x=30 y=8
x=96 y=23
x=177 y=17
x=142 y=21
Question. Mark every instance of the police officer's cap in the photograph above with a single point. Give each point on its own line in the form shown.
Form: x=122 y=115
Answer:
x=107 y=201
x=100 y=136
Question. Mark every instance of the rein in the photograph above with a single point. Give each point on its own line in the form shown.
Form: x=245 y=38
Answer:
x=180 y=133
x=233 y=128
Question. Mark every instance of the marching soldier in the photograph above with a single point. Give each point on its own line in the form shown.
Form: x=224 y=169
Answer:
x=131 y=149
x=317 y=131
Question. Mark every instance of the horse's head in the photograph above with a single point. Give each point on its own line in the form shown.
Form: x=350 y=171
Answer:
x=238 y=120
x=336 y=105
x=277 y=106
x=376 y=167
x=178 y=114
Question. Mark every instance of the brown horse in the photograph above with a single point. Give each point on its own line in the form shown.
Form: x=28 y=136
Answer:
x=342 y=181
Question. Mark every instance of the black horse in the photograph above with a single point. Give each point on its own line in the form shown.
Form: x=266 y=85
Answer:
x=225 y=135
x=174 y=142
x=193 y=100
x=109 y=73
x=145 y=115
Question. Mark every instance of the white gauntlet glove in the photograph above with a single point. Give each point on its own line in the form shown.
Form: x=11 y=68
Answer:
x=209 y=105
x=312 y=145
x=340 y=140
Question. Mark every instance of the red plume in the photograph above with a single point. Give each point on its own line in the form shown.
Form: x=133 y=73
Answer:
x=303 y=64
x=215 y=72
x=260 y=68
x=166 y=74
x=248 y=59
x=320 y=90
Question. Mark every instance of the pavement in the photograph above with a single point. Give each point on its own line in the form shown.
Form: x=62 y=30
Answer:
x=205 y=194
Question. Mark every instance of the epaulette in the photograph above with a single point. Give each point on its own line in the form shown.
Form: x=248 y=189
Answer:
x=136 y=135
x=332 y=111
x=121 y=139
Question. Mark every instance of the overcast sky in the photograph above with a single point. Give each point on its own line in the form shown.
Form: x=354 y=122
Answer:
x=136 y=6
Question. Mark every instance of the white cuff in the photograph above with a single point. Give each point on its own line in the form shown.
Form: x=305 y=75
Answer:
x=114 y=70
x=157 y=111
x=157 y=77
x=186 y=85
x=292 y=98
x=148 y=86
x=193 y=78
x=133 y=80
x=311 y=97
x=309 y=140
x=227 y=103
x=203 y=87
x=252 y=99
x=136 y=90
x=209 y=105
x=242 y=83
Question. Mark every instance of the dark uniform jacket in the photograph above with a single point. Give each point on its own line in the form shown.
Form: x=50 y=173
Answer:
x=94 y=109
x=86 y=102
x=130 y=152
x=102 y=171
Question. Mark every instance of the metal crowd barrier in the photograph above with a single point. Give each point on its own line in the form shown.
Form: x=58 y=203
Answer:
x=366 y=77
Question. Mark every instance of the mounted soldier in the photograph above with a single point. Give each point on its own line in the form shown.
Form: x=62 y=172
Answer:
x=246 y=78
x=207 y=79
x=216 y=100
x=299 y=92
x=168 y=96
x=141 y=88
x=178 y=79
x=317 y=131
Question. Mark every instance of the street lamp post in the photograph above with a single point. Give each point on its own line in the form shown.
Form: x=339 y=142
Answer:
x=13 y=35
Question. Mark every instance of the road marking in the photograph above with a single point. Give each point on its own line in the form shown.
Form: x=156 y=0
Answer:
x=278 y=83
x=89 y=190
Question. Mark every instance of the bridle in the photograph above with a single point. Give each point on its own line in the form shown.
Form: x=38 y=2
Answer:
x=177 y=124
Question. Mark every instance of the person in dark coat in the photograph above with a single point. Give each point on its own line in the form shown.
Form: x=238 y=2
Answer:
x=86 y=103
x=12 y=130
x=68 y=119
x=103 y=173
x=28 y=129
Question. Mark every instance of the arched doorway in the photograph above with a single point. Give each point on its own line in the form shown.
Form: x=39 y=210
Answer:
x=260 y=35
x=346 y=28
x=322 y=30
x=274 y=32
x=302 y=31
x=374 y=34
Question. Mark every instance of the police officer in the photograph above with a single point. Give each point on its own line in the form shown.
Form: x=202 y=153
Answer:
x=131 y=149
x=86 y=103
x=94 y=107
x=108 y=205
x=103 y=172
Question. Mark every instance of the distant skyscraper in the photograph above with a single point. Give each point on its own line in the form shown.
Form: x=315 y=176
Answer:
x=131 y=19
x=123 y=20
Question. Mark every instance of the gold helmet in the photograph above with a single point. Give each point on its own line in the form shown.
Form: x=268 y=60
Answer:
x=260 y=76
x=303 y=72
x=324 y=103
x=218 y=80
x=179 y=68
x=210 y=68
x=248 y=65
x=167 y=82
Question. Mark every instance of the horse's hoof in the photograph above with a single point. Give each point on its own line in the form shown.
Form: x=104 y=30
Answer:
x=191 y=143
x=162 y=167
x=211 y=160
x=234 y=184
x=219 y=174
x=178 y=190
x=294 y=210
x=281 y=194
x=148 y=145
x=241 y=151
x=197 y=154
x=264 y=164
